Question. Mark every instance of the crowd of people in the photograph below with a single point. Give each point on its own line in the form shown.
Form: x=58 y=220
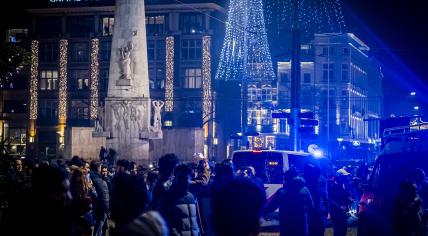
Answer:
x=97 y=198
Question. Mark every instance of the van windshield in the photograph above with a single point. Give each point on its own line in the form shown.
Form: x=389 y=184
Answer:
x=268 y=165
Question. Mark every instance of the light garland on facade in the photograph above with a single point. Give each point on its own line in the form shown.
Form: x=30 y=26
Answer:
x=169 y=87
x=95 y=43
x=245 y=53
x=62 y=100
x=206 y=78
x=313 y=15
x=34 y=79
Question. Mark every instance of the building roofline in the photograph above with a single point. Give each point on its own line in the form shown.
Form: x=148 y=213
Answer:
x=149 y=8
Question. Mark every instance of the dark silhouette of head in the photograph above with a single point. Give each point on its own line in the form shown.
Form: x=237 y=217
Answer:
x=289 y=175
x=129 y=198
x=417 y=176
x=236 y=207
x=122 y=166
x=51 y=185
x=311 y=173
x=95 y=166
x=167 y=164
x=182 y=175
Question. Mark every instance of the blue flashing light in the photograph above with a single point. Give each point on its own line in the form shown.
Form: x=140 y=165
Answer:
x=318 y=153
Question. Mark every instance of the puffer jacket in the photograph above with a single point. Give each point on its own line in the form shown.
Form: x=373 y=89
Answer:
x=181 y=214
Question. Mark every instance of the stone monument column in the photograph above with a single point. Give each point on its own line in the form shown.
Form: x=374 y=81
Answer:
x=127 y=111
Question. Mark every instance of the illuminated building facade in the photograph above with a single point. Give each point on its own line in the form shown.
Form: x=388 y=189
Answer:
x=341 y=84
x=70 y=77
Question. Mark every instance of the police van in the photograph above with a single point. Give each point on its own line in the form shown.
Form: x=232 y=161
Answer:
x=270 y=165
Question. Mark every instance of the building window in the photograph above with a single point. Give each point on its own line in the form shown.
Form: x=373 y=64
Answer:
x=346 y=51
x=155 y=24
x=284 y=79
x=192 y=23
x=104 y=79
x=48 y=109
x=252 y=93
x=193 y=78
x=105 y=51
x=325 y=51
x=157 y=78
x=306 y=78
x=107 y=24
x=14 y=106
x=49 y=80
x=79 y=110
x=266 y=94
x=156 y=49
x=17 y=35
x=345 y=72
x=191 y=49
x=49 y=52
x=49 y=26
x=80 y=26
x=80 y=79
x=328 y=72
x=79 y=52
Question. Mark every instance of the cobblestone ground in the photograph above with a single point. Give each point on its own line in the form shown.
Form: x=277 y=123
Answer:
x=328 y=232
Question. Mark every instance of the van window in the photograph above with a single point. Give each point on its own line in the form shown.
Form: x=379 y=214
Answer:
x=268 y=165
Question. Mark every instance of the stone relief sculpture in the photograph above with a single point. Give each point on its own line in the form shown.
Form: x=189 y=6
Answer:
x=99 y=121
x=157 y=118
x=125 y=62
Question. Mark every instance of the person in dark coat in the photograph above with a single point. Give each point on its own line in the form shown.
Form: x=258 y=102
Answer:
x=179 y=207
x=408 y=212
x=317 y=185
x=167 y=164
x=339 y=201
x=46 y=210
x=100 y=203
x=237 y=206
x=294 y=202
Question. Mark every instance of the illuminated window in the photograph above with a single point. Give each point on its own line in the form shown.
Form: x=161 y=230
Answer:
x=80 y=79
x=191 y=49
x=155 y=24
x=267 y=93
x=107 y=24
x=49 y=80
x=252 y=93
x=193 y=78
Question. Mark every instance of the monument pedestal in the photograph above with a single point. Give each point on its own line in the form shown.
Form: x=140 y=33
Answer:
x=126 y=118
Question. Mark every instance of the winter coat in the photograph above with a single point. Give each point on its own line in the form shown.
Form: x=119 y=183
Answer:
x=147 y=224
x=100 y=203
x=181 y=213
x=294 y=202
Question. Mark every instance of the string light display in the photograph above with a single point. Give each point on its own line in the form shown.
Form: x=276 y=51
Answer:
x=314 y=16
x=169 y=87
x=34 y=70
x=95 y=71
x=206 y=77
x=245 y=53
x=62 y=100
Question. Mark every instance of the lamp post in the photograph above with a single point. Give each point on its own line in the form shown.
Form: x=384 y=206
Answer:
x=295 y=80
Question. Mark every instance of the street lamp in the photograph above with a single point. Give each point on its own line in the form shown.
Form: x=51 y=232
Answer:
x=412 y=93
x=416 y=107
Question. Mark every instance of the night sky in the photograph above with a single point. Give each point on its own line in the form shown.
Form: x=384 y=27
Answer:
x=396 y=31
